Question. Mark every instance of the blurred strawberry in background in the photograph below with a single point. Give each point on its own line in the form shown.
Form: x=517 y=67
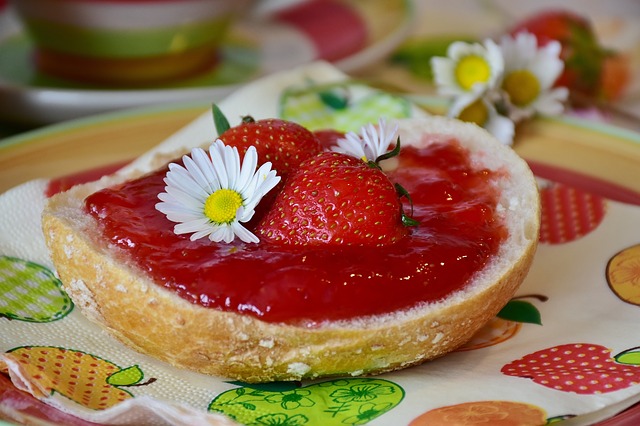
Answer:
x=592 y=72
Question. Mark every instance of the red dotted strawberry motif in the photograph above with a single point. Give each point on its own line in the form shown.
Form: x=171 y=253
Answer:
x=581 y=368
x=568 y=213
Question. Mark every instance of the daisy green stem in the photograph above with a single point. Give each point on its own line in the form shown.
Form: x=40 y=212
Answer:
x=390 y=154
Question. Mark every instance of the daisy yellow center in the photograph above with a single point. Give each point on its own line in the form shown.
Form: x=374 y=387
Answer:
x=522 y=86
x=222 y=205
x=472 y=69
x=475 y=113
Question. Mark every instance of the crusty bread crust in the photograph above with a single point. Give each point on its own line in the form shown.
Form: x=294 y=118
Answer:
x=111 y=291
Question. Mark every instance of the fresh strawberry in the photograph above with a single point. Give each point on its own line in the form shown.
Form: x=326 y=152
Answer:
x=335 y=199
x=585 y=59
x=615 y=76
x=556 y=24
x=328 y=137
x=582 y=368
x=284 y=143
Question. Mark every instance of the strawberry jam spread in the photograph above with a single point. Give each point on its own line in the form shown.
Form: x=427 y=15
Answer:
x=457 y=235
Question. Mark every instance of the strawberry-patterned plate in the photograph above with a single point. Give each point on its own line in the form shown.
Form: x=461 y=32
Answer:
x=588 y=177
x=274 y=36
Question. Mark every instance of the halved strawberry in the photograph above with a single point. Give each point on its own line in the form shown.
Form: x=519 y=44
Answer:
x=335 y=199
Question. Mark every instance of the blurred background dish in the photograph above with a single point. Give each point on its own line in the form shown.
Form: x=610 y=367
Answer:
x=272 y=36
x=605 y=33
x=120 y=43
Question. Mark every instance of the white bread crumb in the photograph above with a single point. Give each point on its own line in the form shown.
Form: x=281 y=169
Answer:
x=298 y=368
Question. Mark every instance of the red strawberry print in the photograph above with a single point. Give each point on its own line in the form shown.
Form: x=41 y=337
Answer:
x=568 y=213
x=336 y=199
x=581 y=368
x=284 y=143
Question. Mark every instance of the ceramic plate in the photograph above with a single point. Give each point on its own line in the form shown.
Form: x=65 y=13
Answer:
x=597 y=158
x=594 y=158
x=272 y=37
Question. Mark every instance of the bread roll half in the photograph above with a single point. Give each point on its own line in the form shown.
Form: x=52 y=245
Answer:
x=113 y=292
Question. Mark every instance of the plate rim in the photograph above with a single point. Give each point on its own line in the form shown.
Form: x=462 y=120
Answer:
x=615 y=139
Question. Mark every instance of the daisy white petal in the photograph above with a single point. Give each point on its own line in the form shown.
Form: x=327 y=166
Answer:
x=180 y=178
x=501 y=127
x=222 y=233
x=216 y=151
x=195 y=171
x=267 y=179
x=350 y=144
x=529 y=75
x=377 y=140
x=468 y=68
x=461 y=102
x=202 y=161
x=178 y=196
x=212 y=194
x=232 y=162
x=190 y=226
x=244 y=215
x=547 y=65
x=482 y=112
x=248 y=167
x=177 y=213
x=263 y=181
x=244 y=234
x=371 y=143
x=552 y=102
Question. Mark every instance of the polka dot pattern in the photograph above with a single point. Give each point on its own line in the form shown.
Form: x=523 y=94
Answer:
x=81 y=377
x=580 y=368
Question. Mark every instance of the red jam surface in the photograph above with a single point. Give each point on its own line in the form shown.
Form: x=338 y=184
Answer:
x=457 y=235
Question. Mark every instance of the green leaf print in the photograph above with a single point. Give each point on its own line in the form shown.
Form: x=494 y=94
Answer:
x=30 y=292
x=351 y=401
x=344 y=106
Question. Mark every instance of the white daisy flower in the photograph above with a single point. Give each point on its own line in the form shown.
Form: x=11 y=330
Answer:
x=469 y=69
x=371 y=143
x=211 y=195
x=529 y=76
x=482 y=112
